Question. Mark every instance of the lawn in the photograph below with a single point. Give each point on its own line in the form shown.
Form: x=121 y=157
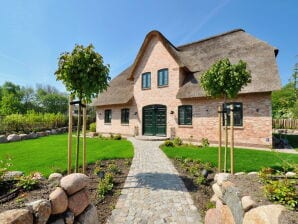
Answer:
x=245 y=159
x=49 y=154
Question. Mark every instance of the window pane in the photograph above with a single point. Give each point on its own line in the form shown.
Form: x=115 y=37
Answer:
x=163 y=77
x=125 y=116
x=238 y=117
x=108 y=116
x=185 y=115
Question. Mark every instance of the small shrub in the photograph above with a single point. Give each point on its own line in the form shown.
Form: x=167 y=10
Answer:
x=105 y=186
x=178 y=141
x=282 y=191
x=27 y=182
x=127 y=163
x=111 y=136
x=169 y=143
x=92 y=127
x=117 y=137
x=113 y=168
x=200 y=180
x=4 y=165
x=96 y=170
x=205 y=142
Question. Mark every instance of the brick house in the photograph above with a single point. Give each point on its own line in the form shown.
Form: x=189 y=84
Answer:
x=160 y=95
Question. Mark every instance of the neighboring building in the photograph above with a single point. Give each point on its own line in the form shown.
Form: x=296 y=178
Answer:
x=159 y=94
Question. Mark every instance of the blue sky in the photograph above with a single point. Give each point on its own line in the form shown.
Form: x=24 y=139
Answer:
x=34 y=32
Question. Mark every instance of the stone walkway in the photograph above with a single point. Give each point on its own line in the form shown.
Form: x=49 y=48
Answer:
x=153 y=191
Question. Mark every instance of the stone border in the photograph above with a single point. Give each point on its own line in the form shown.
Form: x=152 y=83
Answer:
x=68 y=203
x=32 y=135
x=232 y=209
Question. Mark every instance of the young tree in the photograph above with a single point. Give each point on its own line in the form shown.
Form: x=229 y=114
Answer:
x=225 y=80
x=84 y=74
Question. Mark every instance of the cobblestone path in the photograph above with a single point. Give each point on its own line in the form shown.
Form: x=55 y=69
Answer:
x=153 y=191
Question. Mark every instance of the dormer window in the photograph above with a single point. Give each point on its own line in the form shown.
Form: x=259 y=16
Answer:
x=162 y=77
x=146 y=80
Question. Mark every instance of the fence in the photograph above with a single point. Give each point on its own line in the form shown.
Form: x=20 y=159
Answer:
x=285 y=123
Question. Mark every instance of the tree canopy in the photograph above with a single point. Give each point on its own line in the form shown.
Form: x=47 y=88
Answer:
x=285 y=101
x=224 y=79
x=83 y=72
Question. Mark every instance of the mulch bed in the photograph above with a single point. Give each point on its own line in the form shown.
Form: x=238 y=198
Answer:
x=104 y=207
x=247 y=185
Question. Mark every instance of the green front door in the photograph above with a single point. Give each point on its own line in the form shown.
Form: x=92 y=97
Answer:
x=155 y=120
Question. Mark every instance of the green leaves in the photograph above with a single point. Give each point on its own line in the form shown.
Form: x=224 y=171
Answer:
x=224 y=79
x=83 y=73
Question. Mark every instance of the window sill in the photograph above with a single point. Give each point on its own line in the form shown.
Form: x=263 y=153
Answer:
x=146 y=88
x=185 y=126
x=107 y=123
x=235 y=127
x=124 y=124
x=164 y=86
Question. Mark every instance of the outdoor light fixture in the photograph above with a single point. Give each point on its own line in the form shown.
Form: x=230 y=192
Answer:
x=257 y=109
x=101 y=174
x=172 y=112
x=136 y=113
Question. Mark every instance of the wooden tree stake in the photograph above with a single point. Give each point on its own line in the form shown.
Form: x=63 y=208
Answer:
x=219 y=137
x=70 y=110
x=78 y=139
x=232 y=138
x=226 y=140
x=84 y=137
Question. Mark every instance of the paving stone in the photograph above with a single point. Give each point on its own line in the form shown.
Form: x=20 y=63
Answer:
x=153 y=191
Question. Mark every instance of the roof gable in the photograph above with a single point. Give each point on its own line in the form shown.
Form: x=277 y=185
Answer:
x=173 y=51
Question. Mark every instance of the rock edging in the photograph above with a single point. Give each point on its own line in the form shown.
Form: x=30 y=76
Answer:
x=67 y=204
x=231 y=208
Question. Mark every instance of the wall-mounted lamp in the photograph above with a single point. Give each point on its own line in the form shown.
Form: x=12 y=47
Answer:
x=257 y=110
x=172 y=112
x=100 y=113
x=136 y=113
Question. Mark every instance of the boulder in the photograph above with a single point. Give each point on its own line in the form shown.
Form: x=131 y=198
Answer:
x=214 y=198
x=89 y=216
x=3 y=139
x=41 y=210
x=41 y=133
x=267 y=214
x=226 y=215
x=239 y=173
x=13 y=138
x=55 y=178
x=221 y=177
x=290 y=174
x=231 y=199
x=217 y=190
x=252 y=173
x=212 y=216
x=16 y=216
x=59 y=201
x=74 y=182
x=12 y=175
x=53 y=131
x=23 y=136
x=78 y=202
x=247 y=203
x=32 y=135
x=37 y=176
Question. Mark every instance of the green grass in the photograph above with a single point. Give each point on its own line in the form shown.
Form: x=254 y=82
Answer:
x=47 y=154
x=245 y=159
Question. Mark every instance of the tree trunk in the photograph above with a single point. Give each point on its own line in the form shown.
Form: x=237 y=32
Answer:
x=78 y=138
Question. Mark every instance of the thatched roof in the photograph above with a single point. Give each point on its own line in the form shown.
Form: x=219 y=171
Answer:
x=197 y=57
x=120 y=91
x=235 y=45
